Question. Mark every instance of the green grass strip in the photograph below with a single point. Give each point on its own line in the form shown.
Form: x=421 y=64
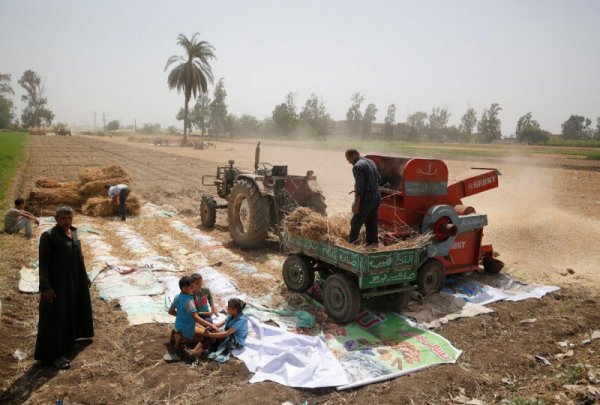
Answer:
x=12 y=152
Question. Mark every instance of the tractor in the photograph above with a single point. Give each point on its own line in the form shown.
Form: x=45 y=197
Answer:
x=257 y=201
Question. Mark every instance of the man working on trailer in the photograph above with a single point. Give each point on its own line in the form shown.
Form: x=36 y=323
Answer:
x=366 y=198
x=120 y=192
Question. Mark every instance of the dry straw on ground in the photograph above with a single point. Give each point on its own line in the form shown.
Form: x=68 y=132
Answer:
x=103 y=207
x=334 y=230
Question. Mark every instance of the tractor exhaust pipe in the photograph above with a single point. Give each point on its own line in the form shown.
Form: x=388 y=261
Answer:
x=257 y=156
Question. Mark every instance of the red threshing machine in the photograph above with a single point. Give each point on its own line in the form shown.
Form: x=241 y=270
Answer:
x=416 y=195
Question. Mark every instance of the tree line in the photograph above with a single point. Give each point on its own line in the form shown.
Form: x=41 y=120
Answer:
x=35 y=113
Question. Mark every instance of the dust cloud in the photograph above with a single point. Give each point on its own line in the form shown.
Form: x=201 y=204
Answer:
x=533 y=233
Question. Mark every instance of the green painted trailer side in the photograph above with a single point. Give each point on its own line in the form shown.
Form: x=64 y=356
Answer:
x=373 y=269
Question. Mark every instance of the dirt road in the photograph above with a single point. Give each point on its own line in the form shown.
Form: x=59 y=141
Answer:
x=538 y=220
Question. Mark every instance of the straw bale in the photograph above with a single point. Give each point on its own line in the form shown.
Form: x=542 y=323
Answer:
x=101 y=173
x=66 y=193
x=96 y=188
x=103 y=207
x=46 y=182
x=335 y=230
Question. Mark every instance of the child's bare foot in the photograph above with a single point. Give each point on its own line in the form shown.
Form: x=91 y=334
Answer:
x=194 y=353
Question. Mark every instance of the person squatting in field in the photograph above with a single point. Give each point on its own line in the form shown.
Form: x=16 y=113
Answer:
x=17 y=218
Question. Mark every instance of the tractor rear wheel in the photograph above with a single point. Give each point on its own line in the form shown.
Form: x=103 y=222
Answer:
x=298 y=273
x=341 y=297
x=317 y=203
x=208 y=211
x=395 y=302
x=431 y=277
x=248 y=215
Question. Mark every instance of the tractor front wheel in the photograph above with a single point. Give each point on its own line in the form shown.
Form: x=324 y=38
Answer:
x=208 y=211
x=248 y=215
x=298 y=273
x=341 y=297
x=431 y=277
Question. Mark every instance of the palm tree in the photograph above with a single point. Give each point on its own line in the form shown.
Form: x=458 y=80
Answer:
x=192 y=74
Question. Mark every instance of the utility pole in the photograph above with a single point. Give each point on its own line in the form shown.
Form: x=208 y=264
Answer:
x=134 y=126
x=95 y=132
x=103 y=123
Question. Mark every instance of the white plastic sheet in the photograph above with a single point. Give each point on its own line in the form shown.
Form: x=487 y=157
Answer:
x=290 y=359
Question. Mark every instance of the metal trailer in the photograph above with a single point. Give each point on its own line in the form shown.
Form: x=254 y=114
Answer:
x=386 y=276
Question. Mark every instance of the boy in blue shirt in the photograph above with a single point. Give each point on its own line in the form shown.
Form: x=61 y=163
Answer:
x=189 y=327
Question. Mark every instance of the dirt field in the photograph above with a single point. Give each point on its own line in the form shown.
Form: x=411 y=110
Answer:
x=544 y=219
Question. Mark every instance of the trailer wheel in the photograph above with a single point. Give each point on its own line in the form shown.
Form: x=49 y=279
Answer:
x=491 y=265
x=341 y=297
x=395 y=302
x=248 y=215
x=208 y=211
x=431 y=277
x=298 y=273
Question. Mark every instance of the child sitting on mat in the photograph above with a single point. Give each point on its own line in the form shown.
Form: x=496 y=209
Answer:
x=233 y=335
x=203 y=299
x=189 y=327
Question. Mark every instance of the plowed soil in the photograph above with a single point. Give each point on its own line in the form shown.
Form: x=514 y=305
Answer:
x=544 y=219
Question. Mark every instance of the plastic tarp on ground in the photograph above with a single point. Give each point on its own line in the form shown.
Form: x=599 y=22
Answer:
x=289 y=359
x=483 y=288
x=29 y=281
x=112 y=285
x=145 y=309
x=376 y=347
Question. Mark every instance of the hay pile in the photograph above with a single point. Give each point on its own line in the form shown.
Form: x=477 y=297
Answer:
x=87 y=194
x=103 y=207
x=94 y=179
x=335 y=230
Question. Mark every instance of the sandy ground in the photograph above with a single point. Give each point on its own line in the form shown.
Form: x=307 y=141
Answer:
x=543 y=220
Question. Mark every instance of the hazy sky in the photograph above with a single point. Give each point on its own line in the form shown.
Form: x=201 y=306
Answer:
x=109 y=56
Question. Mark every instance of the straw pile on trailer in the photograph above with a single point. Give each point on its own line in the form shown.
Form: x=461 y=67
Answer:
x=335 y=229
x=87 y=194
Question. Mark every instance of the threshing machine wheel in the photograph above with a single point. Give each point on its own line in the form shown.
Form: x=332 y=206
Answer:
x=431 y=277
x=394 y=302
x=317 y=203
x=491 y=265
x=208 y=211
x=298 y=273
x=341 y=297
x=248 y=214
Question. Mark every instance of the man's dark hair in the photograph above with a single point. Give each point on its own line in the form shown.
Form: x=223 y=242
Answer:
x=185 y=281
x=196 y=276
x=237 y=304
x=352 y=152
x=107 y=186
x=19 y=201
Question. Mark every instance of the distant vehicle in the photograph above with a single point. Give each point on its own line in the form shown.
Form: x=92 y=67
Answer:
x=63 y=131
